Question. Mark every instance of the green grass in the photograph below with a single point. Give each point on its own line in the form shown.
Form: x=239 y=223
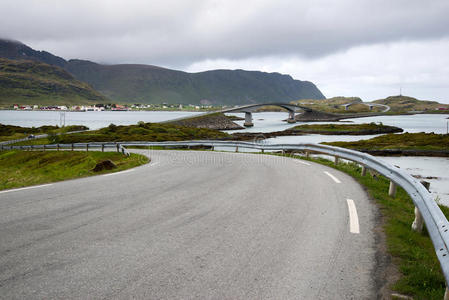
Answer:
x=25 y=168
x=12 y=132
x=406 y=141
x=413 y=253
x=154 y=132
x=402 y=104
x=334 y=105
x=368 y=128
x=398 y=104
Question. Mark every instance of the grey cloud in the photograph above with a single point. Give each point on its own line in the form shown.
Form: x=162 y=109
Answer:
x=178 y=33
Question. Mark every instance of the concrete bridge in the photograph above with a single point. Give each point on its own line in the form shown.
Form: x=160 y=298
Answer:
x=369 y=104
x=249 y=109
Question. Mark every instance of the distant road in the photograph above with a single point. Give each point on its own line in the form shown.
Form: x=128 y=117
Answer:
x=191 y=225
x=384 y=106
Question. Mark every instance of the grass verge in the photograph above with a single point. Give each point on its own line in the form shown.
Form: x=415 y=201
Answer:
x=25 y=168
x=411 y=252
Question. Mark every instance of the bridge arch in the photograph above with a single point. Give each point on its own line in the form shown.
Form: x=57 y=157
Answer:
x=249 y=109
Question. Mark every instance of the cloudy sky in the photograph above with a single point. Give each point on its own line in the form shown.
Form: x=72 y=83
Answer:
x=347 y=47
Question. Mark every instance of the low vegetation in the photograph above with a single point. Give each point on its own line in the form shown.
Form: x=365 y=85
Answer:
x=217 y=121
x=398 y=105
x=405 y=141
x=412 y=252
x=346 y=129
x=11 y=132
x=325 y=129
x=404 y=104
x=153 y=132
x=24 y=168
x=335 y=105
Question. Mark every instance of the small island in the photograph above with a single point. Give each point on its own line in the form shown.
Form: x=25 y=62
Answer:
x=407 y=144
x=325 y=129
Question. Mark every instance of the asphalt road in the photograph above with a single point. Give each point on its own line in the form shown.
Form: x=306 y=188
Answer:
x=191 y=225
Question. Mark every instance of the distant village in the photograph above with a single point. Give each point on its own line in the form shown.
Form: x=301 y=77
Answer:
x=113 y=107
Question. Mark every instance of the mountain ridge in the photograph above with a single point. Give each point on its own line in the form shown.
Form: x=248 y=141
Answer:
x=140 y=83
x=32 y=82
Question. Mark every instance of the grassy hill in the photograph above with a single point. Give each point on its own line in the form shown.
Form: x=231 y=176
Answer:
x=398 y=104
x=407 y=104
x=31 y=82
x=334 y=105
x=150 y=84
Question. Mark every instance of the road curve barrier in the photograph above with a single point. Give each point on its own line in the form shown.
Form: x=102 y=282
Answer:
x=426 y=208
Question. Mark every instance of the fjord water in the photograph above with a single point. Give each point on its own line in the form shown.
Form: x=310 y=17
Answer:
x=91 y=119
x=267 y=122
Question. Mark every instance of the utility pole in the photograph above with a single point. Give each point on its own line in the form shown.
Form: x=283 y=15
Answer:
x=62 y=118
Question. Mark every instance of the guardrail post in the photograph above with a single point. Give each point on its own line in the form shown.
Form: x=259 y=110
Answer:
x=87 y=147
x=392 y=189
x=337 y=159
x=418 y=223
x=363 y=170
x=44 y=147
x=57 y=147
x=236 y=148
x=213 y=148
x=118 y=147
x=102 y=147
x=307 y=154
x=73 y=147
x=263 y=150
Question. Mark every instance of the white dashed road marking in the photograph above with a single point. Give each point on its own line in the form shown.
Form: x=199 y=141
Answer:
x=332 y=176
x=353 y=217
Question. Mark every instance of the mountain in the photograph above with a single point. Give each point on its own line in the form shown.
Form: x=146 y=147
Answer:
x=31 y=82
x=151 y=84
x=16 y=50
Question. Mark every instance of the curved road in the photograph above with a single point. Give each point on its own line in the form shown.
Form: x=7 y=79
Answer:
x=191 y=225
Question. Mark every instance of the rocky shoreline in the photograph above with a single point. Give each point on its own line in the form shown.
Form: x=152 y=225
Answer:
x=217 y=121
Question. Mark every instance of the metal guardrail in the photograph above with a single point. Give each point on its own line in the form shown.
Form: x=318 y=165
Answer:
x=40 y=136
x=75 y=146
x=426 y=207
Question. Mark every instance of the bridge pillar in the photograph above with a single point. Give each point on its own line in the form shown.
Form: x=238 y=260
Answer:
x=248 y=119
x=291 y=117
